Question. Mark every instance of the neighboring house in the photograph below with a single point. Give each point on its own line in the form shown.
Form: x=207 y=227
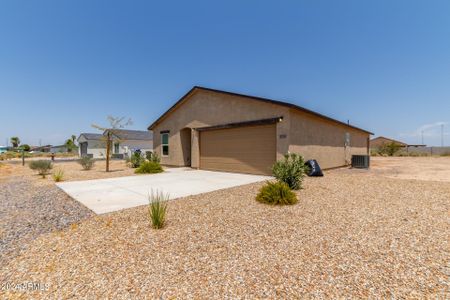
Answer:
x=124 y=143
x=217 y=130
x=45 y=148
x=62 y=149
x=3 y=149
x=380 y=141
x=92 y=144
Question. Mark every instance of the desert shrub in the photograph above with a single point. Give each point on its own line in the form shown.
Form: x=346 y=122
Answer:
x=157 y=209
x=445 y=154
x=374 y=152
x=9 y=155
x=276 y=193
x=390 y=149
x=86 y=162
x=291 y=170
x=58 y=175
x=153 y=157
x=418 y=154
x=402 y=153
x=149 y=167
x=42 y=166
x=136 y=159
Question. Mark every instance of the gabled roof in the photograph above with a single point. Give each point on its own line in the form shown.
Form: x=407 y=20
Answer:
x=91 y=136
x=388 y=139
x=35 y=148
x=395 y=141
x=276 y=102
x=125 y=134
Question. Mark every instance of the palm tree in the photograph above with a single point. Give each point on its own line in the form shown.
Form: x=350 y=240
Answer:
x=15 y=141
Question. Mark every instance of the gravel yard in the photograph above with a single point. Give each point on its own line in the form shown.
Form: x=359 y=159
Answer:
x=349 y=236
x=420 y=168
x=72 y=171
x=28 y=210
x=31 y=206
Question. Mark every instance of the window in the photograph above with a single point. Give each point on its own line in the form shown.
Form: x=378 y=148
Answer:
x=165 y=144
x=116 y=148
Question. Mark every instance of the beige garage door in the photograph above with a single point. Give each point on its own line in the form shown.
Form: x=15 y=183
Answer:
x=243 y=149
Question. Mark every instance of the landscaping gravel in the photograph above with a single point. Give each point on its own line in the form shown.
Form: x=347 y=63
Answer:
x=349 y=236
x=29 y=209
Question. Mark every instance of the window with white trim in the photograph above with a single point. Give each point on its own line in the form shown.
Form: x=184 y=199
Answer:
x=165 y=144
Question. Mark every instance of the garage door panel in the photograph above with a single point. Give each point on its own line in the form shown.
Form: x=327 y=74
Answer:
x=239 y=167
x=244 y=149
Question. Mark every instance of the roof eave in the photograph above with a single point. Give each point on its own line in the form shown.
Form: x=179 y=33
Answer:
x=293 y=106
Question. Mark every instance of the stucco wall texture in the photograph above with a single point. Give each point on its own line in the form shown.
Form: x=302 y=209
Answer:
x=300 y=132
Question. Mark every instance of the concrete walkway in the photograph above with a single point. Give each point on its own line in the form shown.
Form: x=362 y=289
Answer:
x=112 y=194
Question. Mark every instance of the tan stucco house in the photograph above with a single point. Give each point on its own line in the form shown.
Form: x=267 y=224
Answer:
x=217 y=130
x=381 y=141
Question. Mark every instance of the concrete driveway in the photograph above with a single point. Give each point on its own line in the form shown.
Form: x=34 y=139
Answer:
x=112 y=194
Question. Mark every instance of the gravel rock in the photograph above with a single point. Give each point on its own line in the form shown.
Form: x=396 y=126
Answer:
x=28 y=210
x=350 y=236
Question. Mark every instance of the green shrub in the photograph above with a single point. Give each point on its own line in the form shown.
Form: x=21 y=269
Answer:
x=157 y=209
x=402 y=154
x=9 y=155
x=86 y=162
x=389 y=149
x=58 y=175
x=42 y=166
x=418 y=154
x=25 y=147
x=291 y=170
x=276 y=193
x=136 y=159
x=149 y=167
x=152 y=156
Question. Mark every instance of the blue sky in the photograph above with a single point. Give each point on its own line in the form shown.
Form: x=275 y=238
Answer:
x=384 y=65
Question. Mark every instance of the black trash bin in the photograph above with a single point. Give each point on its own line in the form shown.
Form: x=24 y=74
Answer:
x=314 y=168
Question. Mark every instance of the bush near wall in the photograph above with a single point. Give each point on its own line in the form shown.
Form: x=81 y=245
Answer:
x=290 y=170
x=149 y=167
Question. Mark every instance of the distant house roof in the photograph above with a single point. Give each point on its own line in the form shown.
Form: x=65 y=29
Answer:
x=378 y=141
x=383 y=139
x=38 y=148
x=59 y=146
x=125 y=134
x=91 y=136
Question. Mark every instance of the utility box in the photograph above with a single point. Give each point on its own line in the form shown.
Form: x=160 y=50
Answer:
x=361 y=161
